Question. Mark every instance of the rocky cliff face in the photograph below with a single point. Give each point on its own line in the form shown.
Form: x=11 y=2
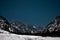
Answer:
x=53 y=28
x=54 y=25
x=4 y=24
x=16 y=27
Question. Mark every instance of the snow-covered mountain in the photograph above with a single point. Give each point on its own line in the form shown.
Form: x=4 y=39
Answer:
x=5 y=35
x=16 y=27
x=14 y=30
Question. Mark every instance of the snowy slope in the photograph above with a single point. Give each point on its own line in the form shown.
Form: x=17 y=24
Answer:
x=4 y=35
x=25 y=37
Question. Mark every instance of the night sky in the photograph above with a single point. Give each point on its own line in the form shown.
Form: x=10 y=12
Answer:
x=38 y=12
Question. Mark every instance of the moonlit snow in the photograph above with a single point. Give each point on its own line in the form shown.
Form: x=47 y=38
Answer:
x=25 y=37
x=4 y=35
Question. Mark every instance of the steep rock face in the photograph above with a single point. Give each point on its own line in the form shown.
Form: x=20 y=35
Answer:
x=54 y=25
x=53 y=28
x=19 y=27
x=4 y=24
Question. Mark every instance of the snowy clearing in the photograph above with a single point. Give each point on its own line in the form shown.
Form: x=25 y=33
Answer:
x=25 y=37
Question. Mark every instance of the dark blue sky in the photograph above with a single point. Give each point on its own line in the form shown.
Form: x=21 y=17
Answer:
x=39 y=12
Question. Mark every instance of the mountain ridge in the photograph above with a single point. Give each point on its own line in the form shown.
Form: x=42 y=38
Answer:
x=16 y=27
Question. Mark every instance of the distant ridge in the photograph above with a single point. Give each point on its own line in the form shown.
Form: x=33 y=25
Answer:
x=16 y=27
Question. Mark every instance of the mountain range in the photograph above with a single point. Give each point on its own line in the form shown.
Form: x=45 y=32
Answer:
x=17 y=27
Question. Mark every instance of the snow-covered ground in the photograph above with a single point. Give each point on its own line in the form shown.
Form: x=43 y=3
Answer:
x=25 y=37
x=4 y=35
